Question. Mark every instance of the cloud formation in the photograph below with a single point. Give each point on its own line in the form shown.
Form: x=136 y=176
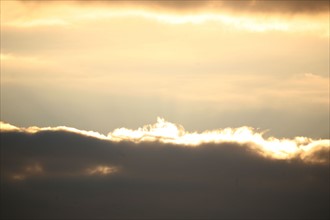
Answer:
x=290 y=6
x=254 y=16
x=260 y=6
x=67 y=173
x=170 y=133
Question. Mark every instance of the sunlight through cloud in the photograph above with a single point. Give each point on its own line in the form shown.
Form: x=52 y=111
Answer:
x=101 y=170
x=272 y=147
x=171 y=133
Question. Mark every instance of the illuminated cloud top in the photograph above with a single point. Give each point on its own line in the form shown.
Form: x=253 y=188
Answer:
x=160 y=171
x=169 y=133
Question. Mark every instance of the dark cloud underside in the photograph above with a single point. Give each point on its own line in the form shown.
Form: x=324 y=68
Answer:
x=155 y=180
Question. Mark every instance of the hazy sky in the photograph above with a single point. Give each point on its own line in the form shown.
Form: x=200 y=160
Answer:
x=241 y=89
x=100 y=65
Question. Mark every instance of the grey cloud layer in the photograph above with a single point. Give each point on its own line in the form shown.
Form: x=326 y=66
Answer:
x=154 y=180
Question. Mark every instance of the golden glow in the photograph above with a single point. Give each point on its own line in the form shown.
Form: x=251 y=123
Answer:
x=26 y=61
x=36 y=169
x=167 y=132
x=8 y=127
x=28 y=171
x=199 y=57
x=101 y=170
x=66 y=15
x=18 y=177
x=186 y=57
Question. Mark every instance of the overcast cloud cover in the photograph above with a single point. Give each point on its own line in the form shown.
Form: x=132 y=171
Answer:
x=249 y=80
x=65 y=173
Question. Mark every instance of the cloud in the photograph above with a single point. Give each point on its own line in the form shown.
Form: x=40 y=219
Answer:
x=254 y=16
x=171 y=133
x=67 y=173
x=291 y=6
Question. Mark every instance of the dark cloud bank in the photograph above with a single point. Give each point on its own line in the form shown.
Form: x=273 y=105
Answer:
x=153 y=181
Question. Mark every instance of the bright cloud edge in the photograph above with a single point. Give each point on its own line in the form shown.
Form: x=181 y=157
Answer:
x=170 y=133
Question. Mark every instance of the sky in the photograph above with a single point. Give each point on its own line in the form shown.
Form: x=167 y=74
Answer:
x=100 y=65
x=165 y=109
